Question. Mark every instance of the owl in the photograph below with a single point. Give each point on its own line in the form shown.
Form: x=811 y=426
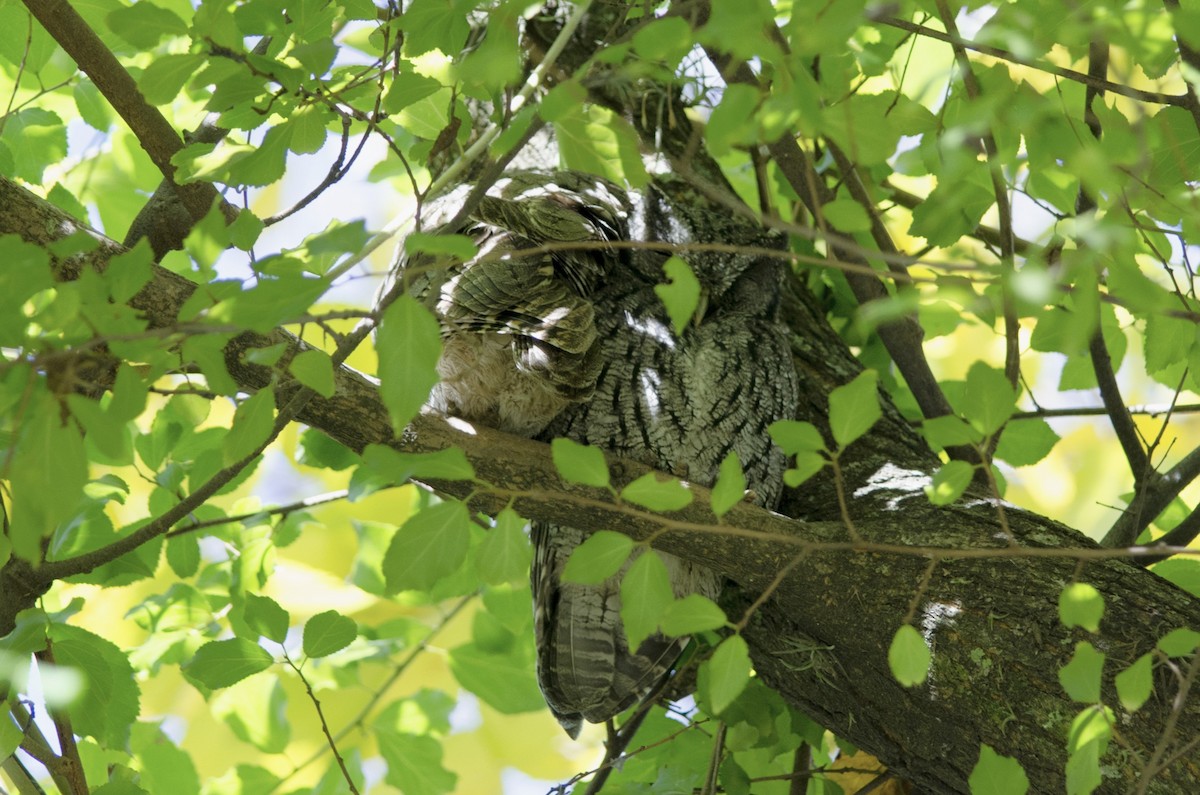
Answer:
x=546 y=341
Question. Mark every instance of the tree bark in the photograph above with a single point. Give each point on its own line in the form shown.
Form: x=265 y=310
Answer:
x=986 y=609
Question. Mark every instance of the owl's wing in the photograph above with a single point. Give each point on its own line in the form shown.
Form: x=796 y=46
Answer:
x=584 y=665
x=523 y=285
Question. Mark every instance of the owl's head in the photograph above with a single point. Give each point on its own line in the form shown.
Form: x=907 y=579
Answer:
x=731 y=259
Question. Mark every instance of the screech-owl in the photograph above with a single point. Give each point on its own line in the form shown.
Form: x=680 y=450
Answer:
x=576 y=343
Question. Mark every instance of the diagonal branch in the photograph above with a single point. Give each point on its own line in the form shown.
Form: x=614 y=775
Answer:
x=1044 y=66
x=155 y=134
x=1012 y=327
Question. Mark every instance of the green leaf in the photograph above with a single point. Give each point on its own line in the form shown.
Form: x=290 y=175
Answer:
x=988 y=400
x=1081 y=676
x=143 y=24
x=564 y=98
x=316 y=449
x=1025 y=442
x=10 y=736
x=1184 y=572
x=436 y=25
x=954 y=208
x=221 y=663
x=847 y=216
x=1081 y=605
x=580 y=463
x=730 y=487
x=994 y=774
x=47 y=475
x=909 y=656
x=1179 y=642
x=396 y=467
x=645 y=594
x=314 y=369
x=252 y=425
x=110 y=700
x=666 y=39
x=308 y=130
x=414 y=763
x=409 y=343
x=728 y=672
x=1136 y=683
x=431 y=545
x=1092 y=726
x=596 y=140
x=93 y=108
x=681 y=296
x=459 y=247
x=505 y=553
x=599 y=557
x=408 y=88
x=794 y=436
x=807 y=465
x=949 y=482
x=657 y=495
x=328 y=632
x=255 y=709
x=265 y=616
x=37 y=139
x=163 y=79
x=503 y=679
x=691 y=614
x=854 y=408
x=1167 y=340
x=734 y=121
x=1087 y=741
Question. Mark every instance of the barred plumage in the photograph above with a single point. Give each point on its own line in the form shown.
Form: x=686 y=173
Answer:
x=578 y=344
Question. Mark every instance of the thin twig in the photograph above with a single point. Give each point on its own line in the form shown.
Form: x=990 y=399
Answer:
x=1070 y=74
x=377 y=696
x=1157 y=762
x=332 y=743
x=281 y=510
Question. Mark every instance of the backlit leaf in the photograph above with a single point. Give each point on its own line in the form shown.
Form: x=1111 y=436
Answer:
x=579 y=463
x=599 y=557
x=428 y=547
x=221 y=663
x=409 y=344
x=328 y=632
x=909 y=656
x=658 y=495
x=645 y=594
x=728 y=672
x=730 y=487
x=854 y=408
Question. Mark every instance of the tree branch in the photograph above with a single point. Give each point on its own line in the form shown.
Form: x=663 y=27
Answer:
x=153 y=131
x=1042 y=66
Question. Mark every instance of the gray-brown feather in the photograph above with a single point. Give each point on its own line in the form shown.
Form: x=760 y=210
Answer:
x=578 y=344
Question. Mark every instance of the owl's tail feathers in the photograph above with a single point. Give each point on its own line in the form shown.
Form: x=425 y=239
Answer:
x=585 y=668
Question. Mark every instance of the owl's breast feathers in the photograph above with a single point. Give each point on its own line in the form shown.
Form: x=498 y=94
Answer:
x=545 y=339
